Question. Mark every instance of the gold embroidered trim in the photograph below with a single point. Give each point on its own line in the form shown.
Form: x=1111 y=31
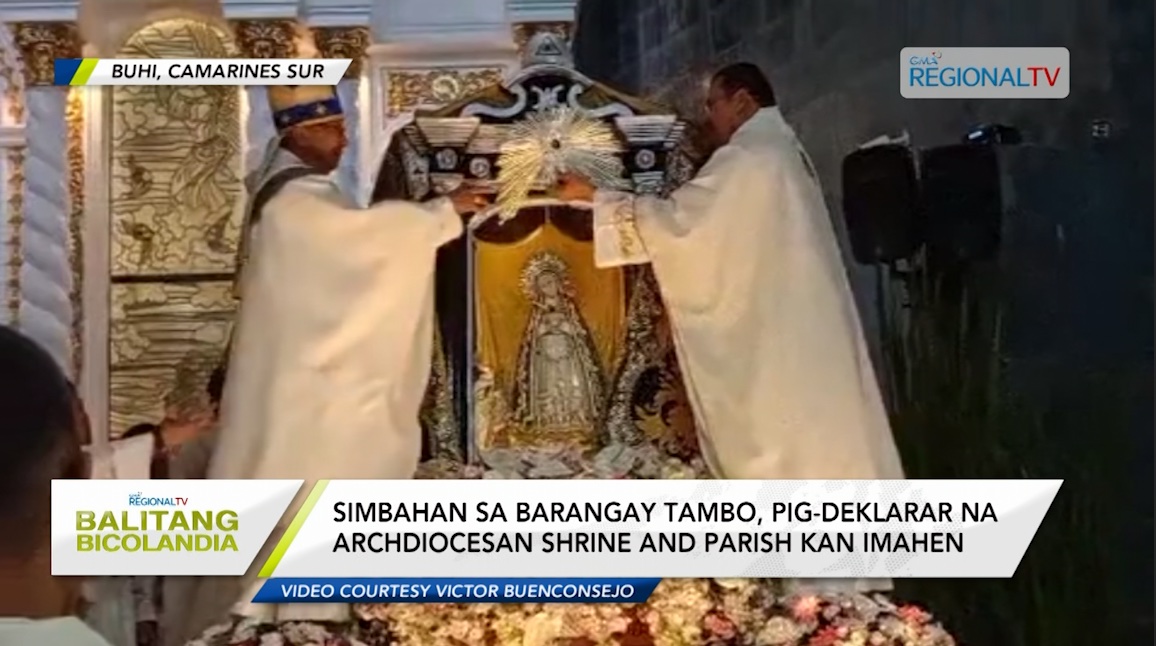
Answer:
x=624 y=224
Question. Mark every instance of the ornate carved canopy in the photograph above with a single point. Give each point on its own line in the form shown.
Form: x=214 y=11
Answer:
x=462 y=142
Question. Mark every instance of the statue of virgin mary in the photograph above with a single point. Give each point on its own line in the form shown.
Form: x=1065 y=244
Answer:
x=560 y=392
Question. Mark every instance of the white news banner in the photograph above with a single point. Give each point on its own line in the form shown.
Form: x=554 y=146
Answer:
x=200 y=71
x=552 y=528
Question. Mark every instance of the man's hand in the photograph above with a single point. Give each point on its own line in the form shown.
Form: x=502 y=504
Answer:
x=177 y=430
x=574 y=188
x=468 y=200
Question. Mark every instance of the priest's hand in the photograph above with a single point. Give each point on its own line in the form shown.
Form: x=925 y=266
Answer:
x=468 y=200
x=575 y=188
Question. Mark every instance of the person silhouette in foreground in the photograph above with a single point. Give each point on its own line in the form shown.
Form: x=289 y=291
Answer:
x=42 y=437
x=44 y=431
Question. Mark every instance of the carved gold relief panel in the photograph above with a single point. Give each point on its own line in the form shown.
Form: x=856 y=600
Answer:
x=166 y=338
x=175 y=161
x=412 y=89
x=175 y=188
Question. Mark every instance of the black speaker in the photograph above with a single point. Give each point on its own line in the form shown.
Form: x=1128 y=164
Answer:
x=963 y=202
x=881 y=203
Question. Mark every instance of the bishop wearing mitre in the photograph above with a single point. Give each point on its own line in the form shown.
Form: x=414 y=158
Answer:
x=333 y=342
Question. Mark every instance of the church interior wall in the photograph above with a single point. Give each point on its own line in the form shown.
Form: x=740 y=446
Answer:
x=832 y=65
x=59 y=220
x=833 y=68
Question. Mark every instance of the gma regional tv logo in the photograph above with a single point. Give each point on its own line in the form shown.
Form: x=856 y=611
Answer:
x=984 y=73
x=139 y=500
x=164 y=527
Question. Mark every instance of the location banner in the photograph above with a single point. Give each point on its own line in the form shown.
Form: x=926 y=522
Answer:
x=200 y=71
x=389 y=533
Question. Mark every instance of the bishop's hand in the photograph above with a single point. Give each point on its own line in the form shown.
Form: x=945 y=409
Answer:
x=468 y=200
x=574 y=188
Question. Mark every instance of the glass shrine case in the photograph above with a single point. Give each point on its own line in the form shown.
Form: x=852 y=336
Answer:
x=545 y=364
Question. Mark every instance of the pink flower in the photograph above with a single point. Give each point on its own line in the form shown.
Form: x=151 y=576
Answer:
x=719 y=625
x=806 y=608
x=913 y=615
x=828 y=636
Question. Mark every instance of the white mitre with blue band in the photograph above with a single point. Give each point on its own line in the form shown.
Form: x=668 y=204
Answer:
x=291 y=106
x=295 y=105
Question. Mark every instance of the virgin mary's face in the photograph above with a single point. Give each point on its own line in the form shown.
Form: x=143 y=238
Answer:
x=548 y=285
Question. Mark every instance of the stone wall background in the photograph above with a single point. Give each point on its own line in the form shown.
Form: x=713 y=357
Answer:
x=833 y=64
x=1080 y=262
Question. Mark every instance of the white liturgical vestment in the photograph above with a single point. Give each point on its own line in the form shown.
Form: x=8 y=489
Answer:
x=765 y=325
x=60 y=631
x=330 y=359
x=334 y=337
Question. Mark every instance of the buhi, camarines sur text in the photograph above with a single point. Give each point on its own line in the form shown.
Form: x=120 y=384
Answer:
x=217 y=71
x=744 y=513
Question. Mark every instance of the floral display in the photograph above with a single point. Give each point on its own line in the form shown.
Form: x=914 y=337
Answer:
x=611 y=463
x=682 y=612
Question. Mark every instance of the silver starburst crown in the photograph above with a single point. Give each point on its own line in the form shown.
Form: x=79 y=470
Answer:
x=552 y=142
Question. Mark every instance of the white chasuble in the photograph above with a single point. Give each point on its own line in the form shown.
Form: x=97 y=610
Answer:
x=334 y=338
x=330 y=359
x=767 y=332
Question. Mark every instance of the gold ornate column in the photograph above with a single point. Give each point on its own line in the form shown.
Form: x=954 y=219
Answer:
x=266 y=38
x=40 y=44
x=344 y=42
x=261 y=39
x=50 y=277
x=12 y=116
x=14 y=222
x=351 y=43
x=74 y=115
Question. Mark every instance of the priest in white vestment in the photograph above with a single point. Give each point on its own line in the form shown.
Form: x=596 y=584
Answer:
x=766 y=328
x=333 y=342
